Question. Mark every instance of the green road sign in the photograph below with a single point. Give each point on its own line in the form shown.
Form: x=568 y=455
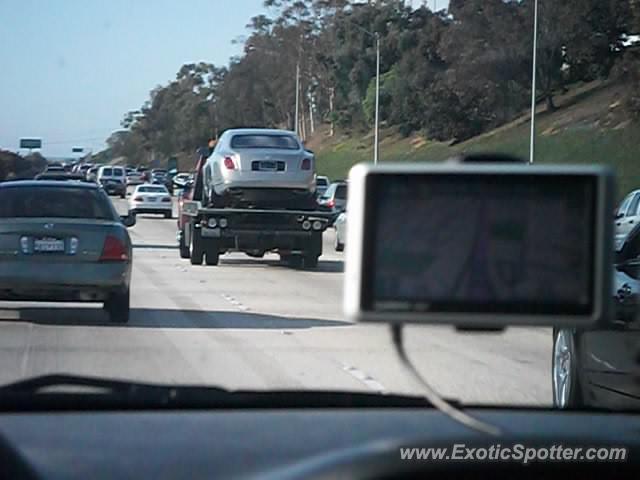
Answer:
x=30 y=143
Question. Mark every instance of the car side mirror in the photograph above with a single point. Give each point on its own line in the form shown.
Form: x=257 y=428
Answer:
x=309 y=151
x=618 y=215
x=128 y=220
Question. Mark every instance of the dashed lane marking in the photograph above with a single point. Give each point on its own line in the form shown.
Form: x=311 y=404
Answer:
x=365 y=378
x=236 y=303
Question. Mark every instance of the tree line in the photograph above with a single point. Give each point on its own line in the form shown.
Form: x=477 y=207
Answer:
x=448 y=75
x=17 y=167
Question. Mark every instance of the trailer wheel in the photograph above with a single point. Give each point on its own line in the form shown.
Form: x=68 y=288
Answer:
x=295 y=261
x=182 y=246
x=285 y=257
x=196 y=253
x=310 y=261
x=212 y=253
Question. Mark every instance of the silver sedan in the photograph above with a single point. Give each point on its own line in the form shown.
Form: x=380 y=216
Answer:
x=260 y=167
x=64 y=241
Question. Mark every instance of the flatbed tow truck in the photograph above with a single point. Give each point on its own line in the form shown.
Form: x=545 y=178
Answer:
x=206 y=233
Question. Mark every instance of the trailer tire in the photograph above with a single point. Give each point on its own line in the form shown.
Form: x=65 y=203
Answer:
x=212 y=254
x=295 y=261
x=196 y=253
x=183 y=247
x=285 y=257
x=310 y=261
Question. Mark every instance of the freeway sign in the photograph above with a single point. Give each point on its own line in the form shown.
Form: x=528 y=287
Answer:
x=30 y=143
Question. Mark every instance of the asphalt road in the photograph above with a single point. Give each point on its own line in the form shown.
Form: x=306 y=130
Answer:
x=252 y=323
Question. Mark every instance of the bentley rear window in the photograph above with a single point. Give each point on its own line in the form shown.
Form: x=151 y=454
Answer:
x=282 y=142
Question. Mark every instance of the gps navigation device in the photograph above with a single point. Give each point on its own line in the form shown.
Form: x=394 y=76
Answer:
x=486 y=245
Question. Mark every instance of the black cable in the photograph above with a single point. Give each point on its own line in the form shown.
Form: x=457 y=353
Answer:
x=432 y=396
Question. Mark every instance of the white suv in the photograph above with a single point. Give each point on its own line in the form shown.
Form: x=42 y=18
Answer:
x=113 y=180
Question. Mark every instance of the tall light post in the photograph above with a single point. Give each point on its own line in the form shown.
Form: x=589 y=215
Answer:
x=377 y=119
x=532 y=140
x=297 y=125
x=376 y=142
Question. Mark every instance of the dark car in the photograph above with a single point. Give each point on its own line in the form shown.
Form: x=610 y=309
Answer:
x=63 y=176
x=145 y=173
x=598 y=368
x=64 y=241
x=159 y=178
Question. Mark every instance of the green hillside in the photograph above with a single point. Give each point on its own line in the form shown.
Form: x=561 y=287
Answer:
x=589 y=126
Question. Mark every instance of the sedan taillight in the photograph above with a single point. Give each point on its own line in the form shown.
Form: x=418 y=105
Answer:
x=114 y=250
x=228 y=163
x=138 y=199
x=166 y=199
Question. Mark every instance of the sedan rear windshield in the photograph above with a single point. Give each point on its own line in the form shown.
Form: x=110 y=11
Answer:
x=152 y=190
x=55 y=202
x=281 y=142
x=341 y=192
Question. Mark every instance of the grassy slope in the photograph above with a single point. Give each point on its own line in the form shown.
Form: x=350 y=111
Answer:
x=589 y=126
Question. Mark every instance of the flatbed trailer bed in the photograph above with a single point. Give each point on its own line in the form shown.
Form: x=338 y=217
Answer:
x=296 y=235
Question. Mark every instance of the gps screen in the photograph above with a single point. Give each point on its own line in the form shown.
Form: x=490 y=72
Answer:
x=481 y=243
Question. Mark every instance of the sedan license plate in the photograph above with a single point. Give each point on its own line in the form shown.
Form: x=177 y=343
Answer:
x=47 y=245
x=151 y=199
x=269 y=166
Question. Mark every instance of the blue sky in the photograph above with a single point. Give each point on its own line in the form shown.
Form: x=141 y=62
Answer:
x=70 y=69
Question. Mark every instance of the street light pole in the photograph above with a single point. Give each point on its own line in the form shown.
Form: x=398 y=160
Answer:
x=376 y=37
x=377 y=119
x=297 y=96
x=532 y=142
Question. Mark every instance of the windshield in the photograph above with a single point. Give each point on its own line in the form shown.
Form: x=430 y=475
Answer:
x=54 y=202
x=233 y=298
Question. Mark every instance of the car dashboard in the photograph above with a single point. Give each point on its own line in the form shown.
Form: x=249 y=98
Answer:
x=299 y=443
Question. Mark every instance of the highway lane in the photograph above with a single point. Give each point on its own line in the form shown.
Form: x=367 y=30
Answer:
x=251 y=323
